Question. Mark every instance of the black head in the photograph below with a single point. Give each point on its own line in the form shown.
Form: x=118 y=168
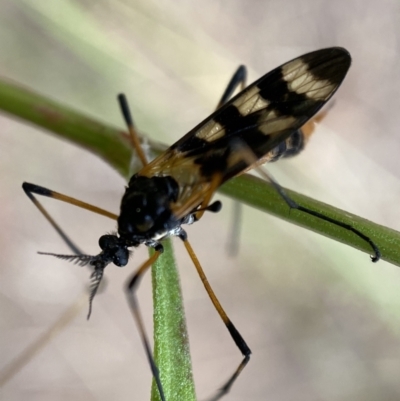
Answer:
x=146 y=208
x=114 y=250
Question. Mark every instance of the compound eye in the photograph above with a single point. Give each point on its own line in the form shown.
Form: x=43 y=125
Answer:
x=145 y=225
x=121 y=257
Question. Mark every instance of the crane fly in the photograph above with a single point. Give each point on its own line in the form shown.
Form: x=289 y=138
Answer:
x=261 y=124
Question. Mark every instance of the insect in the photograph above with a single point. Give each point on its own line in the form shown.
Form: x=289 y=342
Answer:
x=260 y=124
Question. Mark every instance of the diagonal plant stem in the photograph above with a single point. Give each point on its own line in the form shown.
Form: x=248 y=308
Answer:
x=112 y=145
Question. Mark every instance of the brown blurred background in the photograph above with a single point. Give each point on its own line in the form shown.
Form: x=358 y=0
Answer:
x=321 y=319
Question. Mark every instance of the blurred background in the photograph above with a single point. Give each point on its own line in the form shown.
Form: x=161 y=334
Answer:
x=321 y=319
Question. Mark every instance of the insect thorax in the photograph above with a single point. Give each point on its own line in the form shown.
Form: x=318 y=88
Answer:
x=146 y=209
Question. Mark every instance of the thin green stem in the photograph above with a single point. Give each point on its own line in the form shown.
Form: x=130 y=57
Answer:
x=110 y=143
x=171 y=343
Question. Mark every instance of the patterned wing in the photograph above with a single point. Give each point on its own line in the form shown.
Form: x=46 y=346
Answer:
x=260 y=118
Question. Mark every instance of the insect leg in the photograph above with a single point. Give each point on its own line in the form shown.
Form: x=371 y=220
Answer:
x=252 y=159
x=31 y=189
x=238 y=79
x=236 y=336
x=134 y=306
x=123 y=103
x=294 y=205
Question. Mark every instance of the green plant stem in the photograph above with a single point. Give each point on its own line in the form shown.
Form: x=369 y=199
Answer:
x=110 y=143
x=171 y=343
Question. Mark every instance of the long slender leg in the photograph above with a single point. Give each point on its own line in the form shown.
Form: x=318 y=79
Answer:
x=238 y=79
x=123 y=103
x=31 y=189
x=294 y=205
x=236 y=336
x=134 y=305
x=252 y=159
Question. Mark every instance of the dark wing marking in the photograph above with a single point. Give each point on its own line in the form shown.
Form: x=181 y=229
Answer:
x=262 y=116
